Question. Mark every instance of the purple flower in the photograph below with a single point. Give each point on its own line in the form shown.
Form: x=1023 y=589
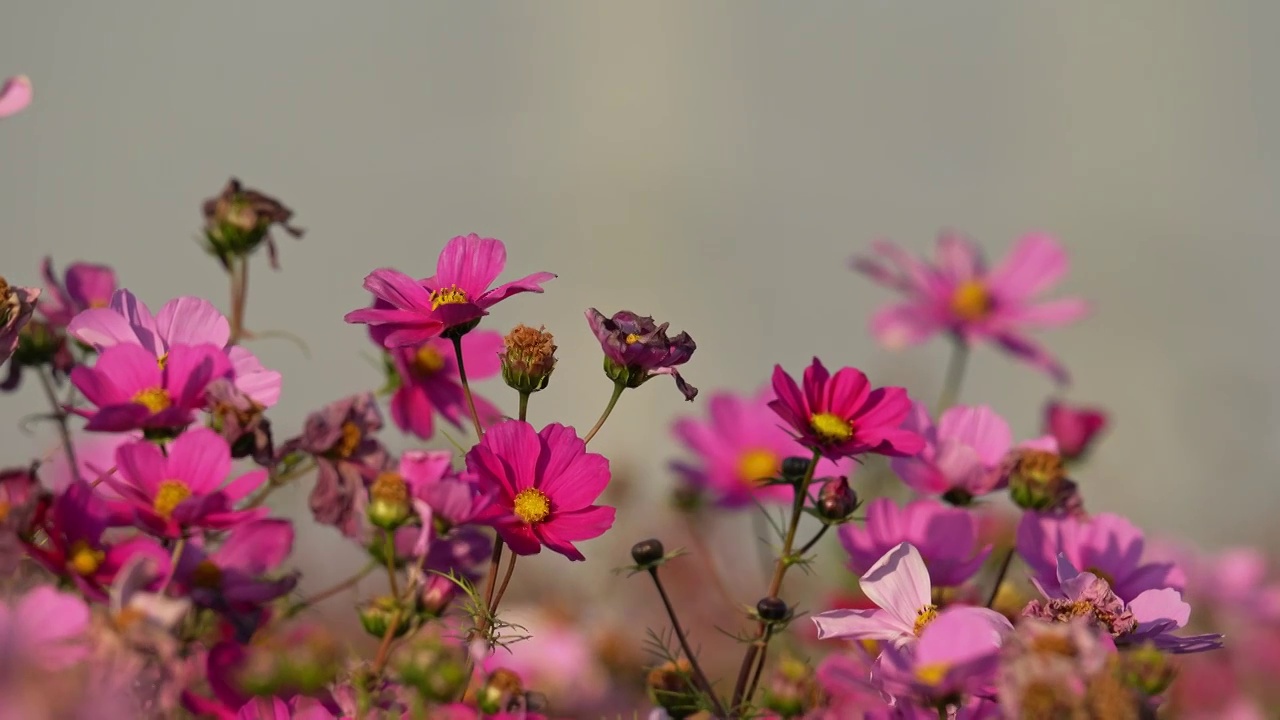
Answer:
x=240 y=421
x=636 y=349
x=132 y=391
x=299 y=708
x=232 y=576
x=946 y=537
x=85 y=286
x=455 y=499
x=16 y=306
x=957 y=655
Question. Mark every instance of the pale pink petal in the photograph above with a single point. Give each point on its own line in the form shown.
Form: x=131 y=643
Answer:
x=15 y=95
x=191 y=320
x=480 y=350
x=260 y=384
x=1053 y=313
x=861 y=625
x=139 y=316
x=419 y=467
x=903 y=325
x=980 y=428
x=899 y=583
x=102 y=328
x=959 y=258
x=471 y=263
x=1163 y=605
x=1034 y=264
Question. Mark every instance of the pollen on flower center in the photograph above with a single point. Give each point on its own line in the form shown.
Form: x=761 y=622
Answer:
x=5 y=507
x=428 y=360
x=532 y=506
x=207 y=575
x=452 y=295
x=971 y=301
x=169 y=495
x=932 y=673
x=632 y=339
x=349 y=441
x=84 y=559
x=924 y=616
x=756 y=465
x=389 y=487
x=99 y=303
x=831 y=428
x=155 y=399
x=162 y=360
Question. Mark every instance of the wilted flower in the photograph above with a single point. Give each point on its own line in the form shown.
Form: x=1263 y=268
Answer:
x=40 y=346
x=841 y=415
x=85 y=286
x=240 y=421
x=131 y=391
x=19 y=503
x=528 y=357
x=957 y=294
x=1075 y=427
x=1047 y=668
x=636 y=349
x=239 y=219
x=946 y=537
x=1037 y=480
x=232 y=576
x=450 y=302
x=427 y=382
x=16 y=306
x=15 y=95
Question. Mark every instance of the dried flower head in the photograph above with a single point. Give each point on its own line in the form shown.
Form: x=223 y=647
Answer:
x=528 y=358
x=239 y=219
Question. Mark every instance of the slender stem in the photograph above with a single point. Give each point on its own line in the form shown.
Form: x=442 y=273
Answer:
x=779 y=572
x=482 y=626
x=239 y=296
x=380 y=660
x=279 y=481
x=764 y=650
x=178 y=548
x=330 y=592
x=684 y=644
x=502 y=589
x=1004 y=570
x=524 y=406
x=613 y=400
x=813 y=541
x=955 y=374
x=466 y=387
x=390 y=551
x=60 y=416
x=708 y=561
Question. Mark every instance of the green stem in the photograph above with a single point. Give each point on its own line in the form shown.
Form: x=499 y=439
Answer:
x=466 y=387
x=390 y=544
x=1004 y=570
x=955 y=374
x=239 y=295
x=813 y=541
x=330 y=592
x=60 y=416
x=613 y=400
x=524 y=405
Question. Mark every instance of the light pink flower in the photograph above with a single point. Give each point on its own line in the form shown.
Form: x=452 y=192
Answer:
x=958 y=294
x=956 y=656
x=86 y=285
x=1075 y=427
x=947 y=537
x=131 y=391
x=15 y=95
x=43 y=628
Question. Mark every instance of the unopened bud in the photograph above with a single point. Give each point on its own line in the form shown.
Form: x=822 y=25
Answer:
x=389 y=501
x=300 y=660
x=437 y=593
x=836 y=500
x=436 y=670
x=528 y=358
x=499 y=690
x=379 y=614
x=38 y=344
x=1147 y=670
x=772 y=609
x=647 y=552
x=792 y=690
x=239 y=219
x=1037 y=479
x=794 y=468
x=670 y=688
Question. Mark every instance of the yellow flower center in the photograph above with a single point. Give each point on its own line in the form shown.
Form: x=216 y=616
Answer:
x=155 y=399
x=924 y=616
x=932 y=673
x=5 y=507
x=452 y=295
x=971 y=301
x=532 y=506
x=162 y=360
x=871 y=646
x=831 y=428
x=349 y=441
x=632 y=339
x=169 y=495
x=756 y=465
x=389 y=487
x=428 y=361
x=84 y=559
x=98 y=303
x=207 y=575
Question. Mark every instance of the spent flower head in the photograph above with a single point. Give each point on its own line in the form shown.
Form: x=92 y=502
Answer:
x=528 y=357
x=636 y=349
x=239 y=219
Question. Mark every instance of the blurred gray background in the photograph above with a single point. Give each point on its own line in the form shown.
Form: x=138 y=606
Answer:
x=713 y=164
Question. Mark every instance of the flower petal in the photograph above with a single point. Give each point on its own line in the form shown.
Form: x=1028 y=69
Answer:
x=1034 y=264
x=191 y=320
x=899 y=583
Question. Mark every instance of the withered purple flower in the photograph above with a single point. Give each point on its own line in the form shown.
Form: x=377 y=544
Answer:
x=636 y=349
x=240 y=421
x=16 y=306
x=239 y=219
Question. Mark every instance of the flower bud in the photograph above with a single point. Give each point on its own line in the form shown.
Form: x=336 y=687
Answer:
x=686 y=498
x=389 y=506
x=1075 y=427
x=436 y=670
x=671 y=688
x=240 y=219
x=378 y=614
x=437 y=593
x=38 y=344
x=499 y=690
x=528 y=359
x=794 y=468
x=772 y=609
x=836 y=500
x=301 y=660
x=647 y=552
x=792 y=690
x=1038 y=480
x=1147 y=670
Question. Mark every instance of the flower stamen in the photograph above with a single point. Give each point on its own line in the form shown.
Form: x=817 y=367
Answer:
x=84 y=559
x=831 y=428
x=452 y=295
x=169 y=495
x=154 y=399
x=971 y=300
x=756 y=465
x=924 y=616
x=532 y=506
x=428 y=361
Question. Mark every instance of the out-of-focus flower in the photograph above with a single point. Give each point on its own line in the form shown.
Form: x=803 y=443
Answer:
x=240 y=421
x=298 y=708
x=20 y=500
x=43 y=629
x=963 y=454
x=739 y=446
x=899 y=585
x=16 y=306
x=15 y=95
x=40 y=346
x=85 y=285
x=636 y=349
x=1047 y=668
x=95 y=454
x=450 y=302
x=528 y=358
x=958 y=294
x=956 y=656
x=454 y=499
x=131 y=391
x=233 y=575
x=1106 y=545
x=1037 y=480
x=238 y=219
x=841 y=415
x=427 y=382
x=1075 y=427
x=946 y=537
x=557 y=659
x=186 y=489
x=546 y=483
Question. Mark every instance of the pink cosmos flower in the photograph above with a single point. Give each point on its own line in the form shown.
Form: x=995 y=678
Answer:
x=946 y=537
x=95 y=454
x=233 y=575
x=86 y=285
x=1106 y=545
x=1075 y=427
x=44 y=628
x=299 y=708
x=451 y=497
x=899 y=585
x=15 y=95
x=426 y=382
x=841 y=415
x=185 y=320
x=16 y=306
x=963 y=455
x=958 y=294
x=956 y=656
x=739 y=445
x=187 y=489
x=546 y=482
x=453 y=299
x=132 y=391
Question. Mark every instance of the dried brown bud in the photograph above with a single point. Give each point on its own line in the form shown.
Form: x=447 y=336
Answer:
x=1038 y=480
x=671 y=688
x=239 y=219
x=499 y=690
x=528 y=359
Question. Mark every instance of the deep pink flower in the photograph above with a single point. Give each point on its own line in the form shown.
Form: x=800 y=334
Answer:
x=44 y=629
x=187 y=489
x=86 y=285
x=637 y=349
x=1105 y=545
x=453 y=299
x=233 y=575
x=958 y=294
x=963 y=454
x=841 y=415
x=956 y=656
x=185 y=320
x=1075 y=427
x=132 y=391
x=299 y=708
x=95 y=454
x=426 y=382
x=15 y=95
x=546 y=483
x=16 y=306
x=456 y=499
x=898 y=583
x=946 y=537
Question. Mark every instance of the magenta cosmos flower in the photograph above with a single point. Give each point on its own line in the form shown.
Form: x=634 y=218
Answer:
x=963 y=455
x=1106 y=545
x=186 y=490
x=15 y=95
x=898 y=583
x=958 y=294
x=841 y=415
x=739 y=445
x=947 y=537
x=427 y=382
x=85 y=286
x=1075 y=427
x=233 y=575
x=546 y=483
x=184 y=320
x=133 y=391
x=451 y=301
